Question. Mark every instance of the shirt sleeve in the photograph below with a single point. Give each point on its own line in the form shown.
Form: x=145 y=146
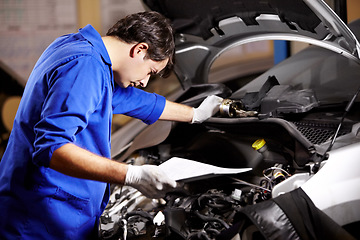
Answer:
x=139 y=104
x=74 y=91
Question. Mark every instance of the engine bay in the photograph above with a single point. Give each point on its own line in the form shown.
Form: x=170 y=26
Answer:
x=276 y=146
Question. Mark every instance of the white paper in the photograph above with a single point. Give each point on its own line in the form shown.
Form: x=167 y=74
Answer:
x=186 y=170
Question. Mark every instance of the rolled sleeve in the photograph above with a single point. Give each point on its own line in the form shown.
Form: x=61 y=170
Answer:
x=139 y=104
x=157 y=110
x=43 y=155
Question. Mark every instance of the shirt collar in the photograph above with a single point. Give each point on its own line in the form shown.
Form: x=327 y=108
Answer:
x=95 y=39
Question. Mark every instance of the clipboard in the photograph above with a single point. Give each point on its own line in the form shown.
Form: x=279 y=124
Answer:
x=186 y=170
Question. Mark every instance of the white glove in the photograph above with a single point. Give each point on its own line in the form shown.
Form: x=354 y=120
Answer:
x=207 y=109
x=150 y=180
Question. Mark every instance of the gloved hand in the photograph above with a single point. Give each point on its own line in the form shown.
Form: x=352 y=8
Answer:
x=150 y=180
x=207 y=109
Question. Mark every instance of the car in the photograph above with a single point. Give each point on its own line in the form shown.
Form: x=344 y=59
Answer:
x=279 y=160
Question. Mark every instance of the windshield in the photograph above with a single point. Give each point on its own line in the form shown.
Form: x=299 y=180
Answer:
x=332 y=77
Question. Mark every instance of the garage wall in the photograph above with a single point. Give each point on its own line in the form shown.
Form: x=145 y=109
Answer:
x=353 y=8
x=102 y=14
x=89 y=13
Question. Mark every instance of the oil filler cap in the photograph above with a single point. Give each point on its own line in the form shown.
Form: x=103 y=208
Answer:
x=258 y=144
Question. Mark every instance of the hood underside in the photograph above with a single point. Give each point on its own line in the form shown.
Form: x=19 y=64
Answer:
x=205 y=29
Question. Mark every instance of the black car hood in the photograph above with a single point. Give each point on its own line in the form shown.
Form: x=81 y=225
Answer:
x=207 y=28
x=199 y=17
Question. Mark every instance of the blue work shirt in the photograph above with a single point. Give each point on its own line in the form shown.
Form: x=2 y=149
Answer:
x=70 y=97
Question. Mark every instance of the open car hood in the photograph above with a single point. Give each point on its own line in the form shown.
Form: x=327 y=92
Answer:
x=205 y=29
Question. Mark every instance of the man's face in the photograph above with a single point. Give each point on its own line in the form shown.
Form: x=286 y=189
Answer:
x=137 y=71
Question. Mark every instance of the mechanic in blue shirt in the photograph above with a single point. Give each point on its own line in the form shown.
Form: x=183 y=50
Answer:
x=55 y=173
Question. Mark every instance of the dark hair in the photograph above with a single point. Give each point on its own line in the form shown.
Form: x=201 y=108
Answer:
x=151 y=28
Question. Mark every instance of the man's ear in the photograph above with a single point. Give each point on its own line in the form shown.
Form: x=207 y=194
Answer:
x=139 y=49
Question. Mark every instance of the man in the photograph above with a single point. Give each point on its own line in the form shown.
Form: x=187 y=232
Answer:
x=55 y=172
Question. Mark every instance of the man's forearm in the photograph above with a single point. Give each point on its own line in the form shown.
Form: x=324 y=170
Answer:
x=177 y=112
x=77 y=162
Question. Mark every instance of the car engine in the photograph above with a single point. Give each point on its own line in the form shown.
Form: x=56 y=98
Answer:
x=279 y=141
